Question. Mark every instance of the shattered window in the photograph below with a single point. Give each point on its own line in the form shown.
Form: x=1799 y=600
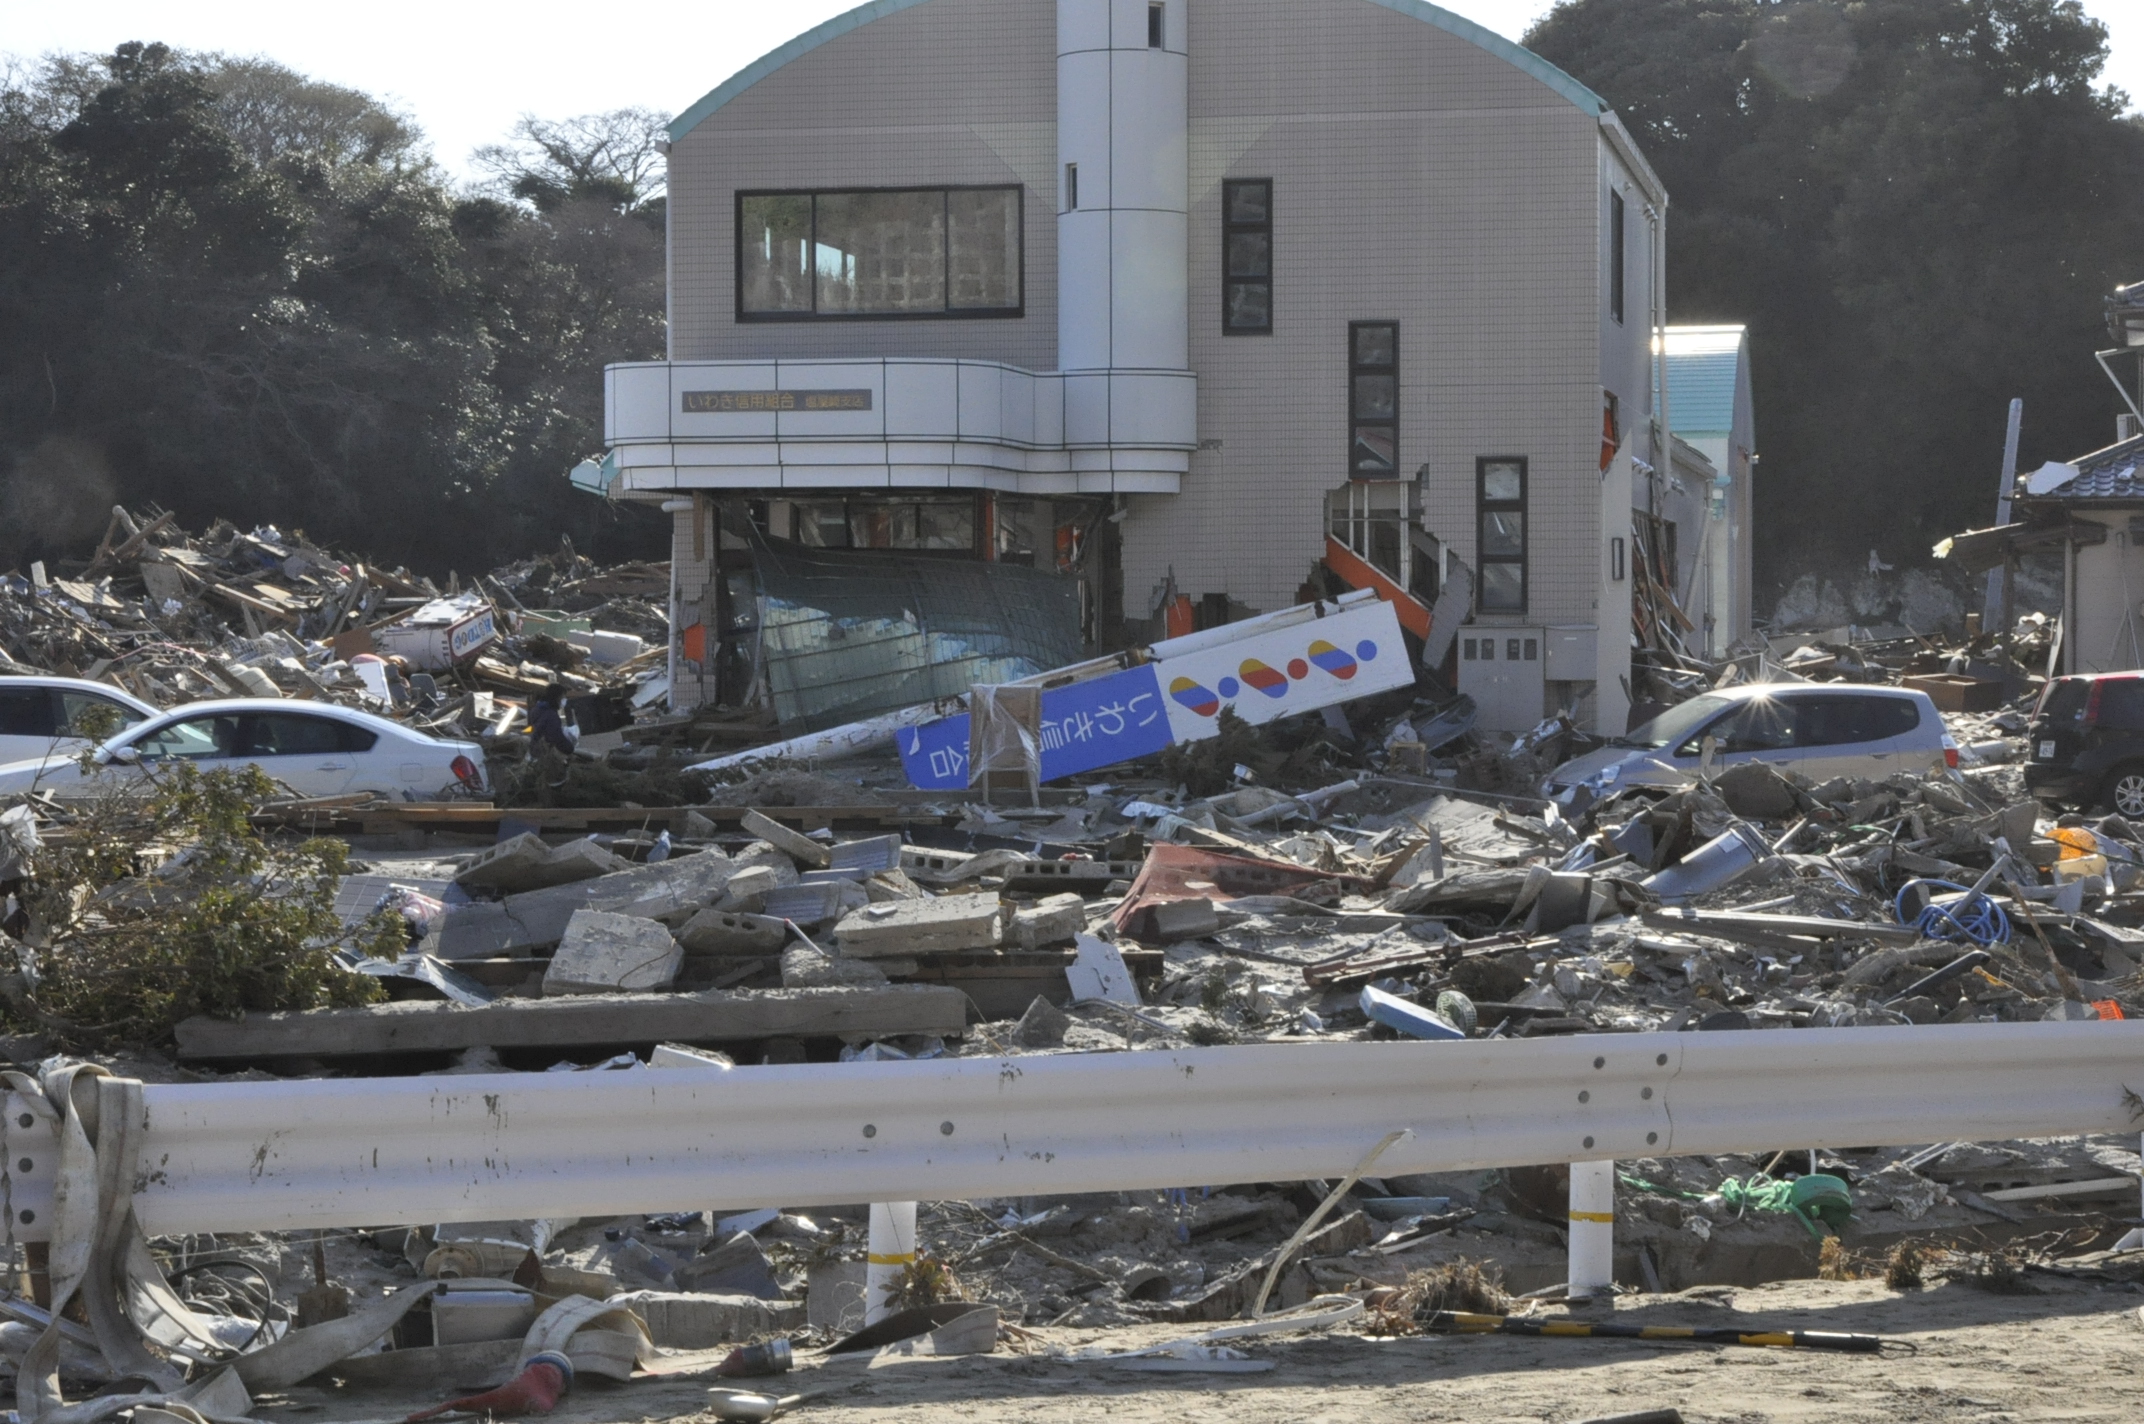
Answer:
x=885 y=252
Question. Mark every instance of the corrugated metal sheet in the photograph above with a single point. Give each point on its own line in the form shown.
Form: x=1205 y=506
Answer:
x=1703 y=362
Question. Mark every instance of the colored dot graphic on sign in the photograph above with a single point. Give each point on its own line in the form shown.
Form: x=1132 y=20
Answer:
x=1268 y=680
x=1229 y=686
x=1366 y=650
x=1332 y=659
x=1193 y=696
x=1298 y=669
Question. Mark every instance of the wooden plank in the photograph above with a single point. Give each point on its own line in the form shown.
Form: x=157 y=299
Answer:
x=712 y=1016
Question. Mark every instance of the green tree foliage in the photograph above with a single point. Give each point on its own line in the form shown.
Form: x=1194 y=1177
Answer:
x=1917 y=205
x=236 y=291
x=225 y=922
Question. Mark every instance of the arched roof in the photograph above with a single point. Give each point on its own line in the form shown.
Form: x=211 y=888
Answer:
x=1525 y=59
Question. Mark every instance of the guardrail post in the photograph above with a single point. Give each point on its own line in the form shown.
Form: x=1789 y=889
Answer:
x=891 y=1250
x=1592 y=1227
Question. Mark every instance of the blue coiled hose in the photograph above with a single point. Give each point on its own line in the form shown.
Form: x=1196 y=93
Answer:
x=1974 y=918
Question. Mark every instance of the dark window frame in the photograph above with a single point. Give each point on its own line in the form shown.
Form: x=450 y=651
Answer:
x=1016 y=310
x=1233 y=229
x=1157 y=24
x=1355 y=422
x=1483 y=505
x=1618 y=255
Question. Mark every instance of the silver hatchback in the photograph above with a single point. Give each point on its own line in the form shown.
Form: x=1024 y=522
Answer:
x=1818 y=730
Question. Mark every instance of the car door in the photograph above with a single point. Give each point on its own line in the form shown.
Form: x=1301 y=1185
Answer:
x=1849 y=734
x=27 y=728
x=208 y=740
x=1758 y=729
x=311 y=754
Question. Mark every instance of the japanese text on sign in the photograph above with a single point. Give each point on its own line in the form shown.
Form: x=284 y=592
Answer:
x=728 y=402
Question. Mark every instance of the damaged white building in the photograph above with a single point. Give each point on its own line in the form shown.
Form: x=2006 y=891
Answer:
x=1197 y=305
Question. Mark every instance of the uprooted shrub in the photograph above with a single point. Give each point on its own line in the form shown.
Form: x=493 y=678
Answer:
x=163 y=901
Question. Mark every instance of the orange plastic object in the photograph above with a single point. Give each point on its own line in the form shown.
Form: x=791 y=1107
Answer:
x=693 y=643
x=1183 y=616
x=2107 y=1008
x=2075 y=841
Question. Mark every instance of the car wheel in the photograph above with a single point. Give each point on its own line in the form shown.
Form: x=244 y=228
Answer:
x=2124 y=791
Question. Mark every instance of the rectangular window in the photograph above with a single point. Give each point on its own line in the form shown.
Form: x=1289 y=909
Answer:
x=1500 y=503
x=1071 y=186
x=1154 y=30
x=1373 y=395
x=1247 y=257
x=1615 y=255
x=879 y=252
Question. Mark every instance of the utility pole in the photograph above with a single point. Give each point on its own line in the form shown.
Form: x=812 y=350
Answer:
x=1995 y=606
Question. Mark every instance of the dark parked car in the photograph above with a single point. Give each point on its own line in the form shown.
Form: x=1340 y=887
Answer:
x=2085 y=744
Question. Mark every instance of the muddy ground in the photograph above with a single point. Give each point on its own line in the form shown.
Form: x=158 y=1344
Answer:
x=2065 y=1351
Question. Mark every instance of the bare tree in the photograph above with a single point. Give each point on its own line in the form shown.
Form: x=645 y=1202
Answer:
x=614 y=158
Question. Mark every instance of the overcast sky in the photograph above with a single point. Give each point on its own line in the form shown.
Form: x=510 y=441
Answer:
x=465 y=71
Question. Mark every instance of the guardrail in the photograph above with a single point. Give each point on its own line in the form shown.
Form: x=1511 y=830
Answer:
x=277 y=1156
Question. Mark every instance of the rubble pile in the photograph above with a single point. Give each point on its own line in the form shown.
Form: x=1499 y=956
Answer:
x=174 y=618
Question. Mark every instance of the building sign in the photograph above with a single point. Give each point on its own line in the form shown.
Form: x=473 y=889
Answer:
x=754 y=402
x=1261 y=676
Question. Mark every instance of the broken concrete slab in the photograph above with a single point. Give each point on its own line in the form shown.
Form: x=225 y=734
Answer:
x=795 y=844
x=760 y=854
x=716 y=931
x=1042 y=1026
x=748 y=890
x=738 y=1266
x=526 y=863
x=604 y=952
x=536 y=919
x=712 y=1016
x=1053 y=920
x=806 y=966
x=950 y=922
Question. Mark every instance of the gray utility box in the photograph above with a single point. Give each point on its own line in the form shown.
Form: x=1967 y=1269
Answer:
x=1571 y=652
x=1504 y=671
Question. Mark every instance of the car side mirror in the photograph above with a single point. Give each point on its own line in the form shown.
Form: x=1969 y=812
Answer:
x=125 y=756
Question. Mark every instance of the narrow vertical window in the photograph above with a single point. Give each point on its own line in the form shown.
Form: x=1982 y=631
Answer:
x=1615 y=255
x=1373 y=396
x=1500 y=504
x=1247 y=257
x=1071 y=186
x=1154 y=32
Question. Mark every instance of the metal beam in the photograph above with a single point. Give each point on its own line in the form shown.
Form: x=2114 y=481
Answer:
x=268 y=1156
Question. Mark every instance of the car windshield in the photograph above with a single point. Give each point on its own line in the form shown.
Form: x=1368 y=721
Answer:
x=1671 y=727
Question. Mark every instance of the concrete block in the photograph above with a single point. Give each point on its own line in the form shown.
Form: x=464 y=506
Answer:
x=951 y=922
x=1042 y=1026
x=504 y=865
x=748 y=890
x=717 y=931
x=1054 y=920
x=893 y=885
x=526 y=863
x=795 y=844
x=806 y=967
x=603 y=953
x=702 y=1322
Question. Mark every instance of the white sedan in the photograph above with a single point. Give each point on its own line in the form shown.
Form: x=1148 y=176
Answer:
x=39 y=716
x=314 y=748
